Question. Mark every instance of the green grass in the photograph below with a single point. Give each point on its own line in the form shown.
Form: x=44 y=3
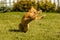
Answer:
x=44 y=29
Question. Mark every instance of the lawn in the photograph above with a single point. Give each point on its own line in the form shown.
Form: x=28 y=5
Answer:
x=47 y=28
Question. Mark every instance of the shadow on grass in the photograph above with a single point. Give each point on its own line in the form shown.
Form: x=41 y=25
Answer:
x=14 y=30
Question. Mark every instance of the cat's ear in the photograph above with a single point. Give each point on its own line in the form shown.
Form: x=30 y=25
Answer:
x=32 y=9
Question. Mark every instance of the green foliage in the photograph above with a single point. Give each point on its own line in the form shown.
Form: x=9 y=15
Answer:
x=23 y=5
x=5 y=9
x=47 y=6
x=58 y=9
x=1 y=8
x=26 y=5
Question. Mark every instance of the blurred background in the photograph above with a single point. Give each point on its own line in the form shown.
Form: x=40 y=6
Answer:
x=24 y=5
